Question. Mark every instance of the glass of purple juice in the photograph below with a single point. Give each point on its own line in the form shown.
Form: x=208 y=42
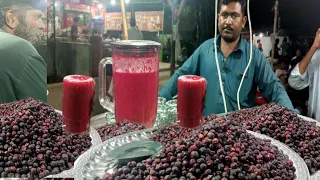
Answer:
x=135 y=74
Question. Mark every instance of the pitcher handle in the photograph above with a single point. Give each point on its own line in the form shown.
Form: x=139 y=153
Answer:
x=103 y=98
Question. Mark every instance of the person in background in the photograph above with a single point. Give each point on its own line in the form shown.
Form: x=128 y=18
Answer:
x=281 y=72
x=276 y=49
x=259 y=45
x=23 y=72
x=285 y=47
x=295 y=60
x=233 y=57
x=307 y=73
x=134 y=32
x=183 y=57
x=74 y=29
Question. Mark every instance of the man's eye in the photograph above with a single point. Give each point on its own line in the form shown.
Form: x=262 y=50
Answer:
x=225 y=16
x=234 y=16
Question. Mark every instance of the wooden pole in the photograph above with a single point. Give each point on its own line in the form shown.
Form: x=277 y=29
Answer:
x=173 y=41
x=124 y=21
x=276 y=11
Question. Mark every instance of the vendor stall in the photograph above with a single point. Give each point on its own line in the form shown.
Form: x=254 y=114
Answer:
x=146 y=137
x=143 y=136
x=69 y=56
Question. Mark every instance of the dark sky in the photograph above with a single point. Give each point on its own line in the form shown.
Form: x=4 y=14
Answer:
x=301 y=16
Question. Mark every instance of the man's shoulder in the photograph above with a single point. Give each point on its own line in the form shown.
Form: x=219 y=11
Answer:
x=15 y=41
x=16 y=46
x=208 y=43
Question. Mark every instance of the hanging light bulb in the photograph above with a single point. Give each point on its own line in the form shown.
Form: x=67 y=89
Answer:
x=127 y=1
x=113 y=2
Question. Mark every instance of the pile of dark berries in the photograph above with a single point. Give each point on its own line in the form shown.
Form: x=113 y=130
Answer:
x=119 y=128
x=32 y=142
x=284 y=125
x=218 y=151
x=170 y=134
x=167 y=135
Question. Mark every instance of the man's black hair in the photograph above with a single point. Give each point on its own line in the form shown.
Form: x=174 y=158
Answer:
x=76 y=19
x=133 y=22
x=242 y=2
x=19 y=8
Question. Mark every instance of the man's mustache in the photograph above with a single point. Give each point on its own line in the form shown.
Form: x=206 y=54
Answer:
x=228 y=28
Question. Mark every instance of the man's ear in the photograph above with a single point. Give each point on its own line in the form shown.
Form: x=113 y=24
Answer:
x=244 y=21
x=12 y=20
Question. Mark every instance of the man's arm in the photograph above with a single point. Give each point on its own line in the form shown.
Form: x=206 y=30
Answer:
x=169 y=90
x=33 y=80
x=300 y=81
x=299 y=77
x=303 y=65
x=269 y=84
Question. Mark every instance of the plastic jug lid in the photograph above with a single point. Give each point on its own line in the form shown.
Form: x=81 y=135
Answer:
x=136 y=44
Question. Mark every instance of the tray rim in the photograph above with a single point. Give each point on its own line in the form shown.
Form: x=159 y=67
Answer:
x=91 y=151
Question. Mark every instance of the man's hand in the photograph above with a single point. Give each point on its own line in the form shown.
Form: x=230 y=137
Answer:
x=316 y=43
x=303 y=65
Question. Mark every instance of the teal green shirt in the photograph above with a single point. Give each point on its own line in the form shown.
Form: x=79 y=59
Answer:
x=203 y=63
x=23 y=72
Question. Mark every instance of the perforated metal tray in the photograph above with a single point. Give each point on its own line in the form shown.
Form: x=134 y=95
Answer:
x=90 y=164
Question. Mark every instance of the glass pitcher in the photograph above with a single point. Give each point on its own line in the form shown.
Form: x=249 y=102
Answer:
x=134 y=85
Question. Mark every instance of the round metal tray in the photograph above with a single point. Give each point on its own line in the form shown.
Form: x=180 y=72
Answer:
x=302 y=172
x=315 y=176
x=94 y=162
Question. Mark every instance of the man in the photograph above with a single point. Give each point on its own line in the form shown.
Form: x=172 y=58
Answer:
x=281 y=72
x=276 y=49
x=285 y=46
x=306 y=73
x=134 y=32
x=233 y=55
x=295 y=60
x=23 y=72
x=74 y=29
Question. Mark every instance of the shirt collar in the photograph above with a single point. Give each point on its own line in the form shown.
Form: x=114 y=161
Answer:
x=2 y=30
x=241 y=45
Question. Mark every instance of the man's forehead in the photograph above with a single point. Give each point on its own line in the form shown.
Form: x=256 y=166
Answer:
x=231 y=7
x=34 y=11
x=36 y=4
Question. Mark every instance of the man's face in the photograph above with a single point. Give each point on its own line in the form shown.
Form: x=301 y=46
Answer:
x=298 y=52
x=231 y=21
x=32 y=27
x=26 y=24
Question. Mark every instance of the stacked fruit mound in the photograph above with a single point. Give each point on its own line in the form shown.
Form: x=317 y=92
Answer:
x=219 y=150
x=33 y=143
x=284 y=125
x=119 y=128
x=168 y=135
